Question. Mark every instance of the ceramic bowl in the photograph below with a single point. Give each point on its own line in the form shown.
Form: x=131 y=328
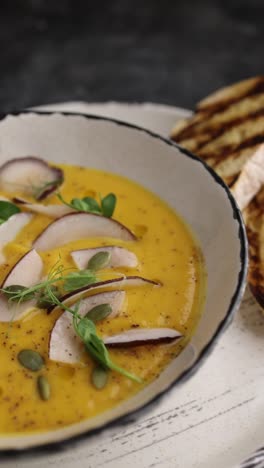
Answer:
x=187 y=185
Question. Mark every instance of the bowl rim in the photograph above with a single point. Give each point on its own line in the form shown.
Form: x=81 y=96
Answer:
x=60 y=443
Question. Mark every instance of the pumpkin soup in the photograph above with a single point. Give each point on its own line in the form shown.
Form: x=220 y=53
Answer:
x=102 y=285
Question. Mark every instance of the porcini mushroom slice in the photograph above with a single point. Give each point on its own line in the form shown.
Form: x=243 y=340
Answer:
x=53 y=211
x=143 y=336
x=127 y=281
x=75 y=226
x=26 y=272
x=65 y=345
x=30 y=175
x=10 y=228
x=119 y=257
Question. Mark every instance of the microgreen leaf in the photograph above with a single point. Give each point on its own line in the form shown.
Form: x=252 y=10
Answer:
x=86 y=204
x=108 y=205
x=78 y=204
x=7 y=209
x=85 y=328
x=96 y=347
x=78 y=279
x=90 y=205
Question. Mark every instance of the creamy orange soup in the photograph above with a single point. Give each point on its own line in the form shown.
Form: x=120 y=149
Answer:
x=167 y=253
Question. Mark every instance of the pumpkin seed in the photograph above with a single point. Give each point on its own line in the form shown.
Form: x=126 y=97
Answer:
x=99 y=377
x=99 y=260
x=99 y=312
x=30 y=359
x=43 y=388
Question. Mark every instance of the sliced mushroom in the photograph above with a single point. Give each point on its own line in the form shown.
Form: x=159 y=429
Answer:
x=119 y=257
x=65 y=345
x=130 y=281
x=30 y=175
x=53 y=211
x=26 y=272
x=10 y=229
x=75 y=226
x=143 y=336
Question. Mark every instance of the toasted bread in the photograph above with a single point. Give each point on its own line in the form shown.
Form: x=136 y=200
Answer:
x=254 y=219
x=232 y=93
x=227 y=131
x=250 y=180
x=227 y=127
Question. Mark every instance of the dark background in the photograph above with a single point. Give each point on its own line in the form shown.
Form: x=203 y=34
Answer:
x=172 y=52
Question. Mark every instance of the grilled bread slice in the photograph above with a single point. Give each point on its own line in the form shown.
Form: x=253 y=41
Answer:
x=254 y=219
x=227 y=131
x=250 y=180
x=249 y=193
x=226 y=128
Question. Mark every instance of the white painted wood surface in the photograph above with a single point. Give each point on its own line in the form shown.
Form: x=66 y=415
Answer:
x=215 y=419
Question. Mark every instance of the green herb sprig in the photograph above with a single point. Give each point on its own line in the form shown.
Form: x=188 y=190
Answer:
x=47 y=292
x=94 y=345
x=78 y=279
x=72 y=281
x=90 y=205
x=56 y=280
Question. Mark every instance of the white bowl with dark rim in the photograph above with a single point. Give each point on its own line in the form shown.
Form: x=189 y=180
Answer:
x=188 y=185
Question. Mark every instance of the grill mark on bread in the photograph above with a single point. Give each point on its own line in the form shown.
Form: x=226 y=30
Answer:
x=254 y=219
x=256 y=88
x=231 y=99
x=258 y=293
x=217 y=129
x=226 y=150
x=232 y=179
x=234 y=164
x=255 y=273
